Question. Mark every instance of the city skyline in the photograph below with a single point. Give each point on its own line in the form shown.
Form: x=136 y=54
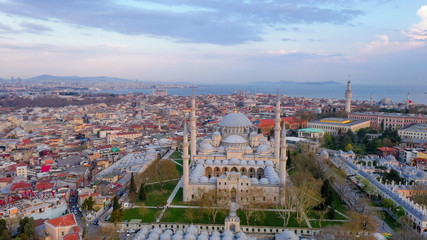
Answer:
x=201 y=42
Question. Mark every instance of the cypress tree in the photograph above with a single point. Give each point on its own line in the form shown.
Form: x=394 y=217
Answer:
x=132 y=188
x=141 y=193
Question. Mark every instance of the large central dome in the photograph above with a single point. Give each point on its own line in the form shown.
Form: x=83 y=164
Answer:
x=235 y=120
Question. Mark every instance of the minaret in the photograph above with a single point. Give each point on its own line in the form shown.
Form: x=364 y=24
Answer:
x=193 y=127
x=408 y=101
x=277 y=129
x=282 y=168
x=348 y=97
x=372 y=99
x=185 y=158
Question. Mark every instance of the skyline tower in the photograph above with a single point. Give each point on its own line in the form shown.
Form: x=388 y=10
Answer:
x=193 y=127
x=348 y=95
x=282 y=167
x=277 y=129
x=185 y=158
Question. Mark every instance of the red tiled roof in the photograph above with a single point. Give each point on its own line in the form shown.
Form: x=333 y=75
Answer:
x=388 y=149
x=76 y=229
x=63 y=221
x=20 y=185
x=6 y=179
x=43 y=186
x=72 y=236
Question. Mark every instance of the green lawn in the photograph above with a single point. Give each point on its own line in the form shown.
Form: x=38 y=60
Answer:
x=337 y=204
x=155 y=197
x=181 y=215
x=146 y=214
x=269 y=219
x=390 y=220
x=176 y=155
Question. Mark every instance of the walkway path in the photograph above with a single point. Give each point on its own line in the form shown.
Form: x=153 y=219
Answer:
x=170 y=199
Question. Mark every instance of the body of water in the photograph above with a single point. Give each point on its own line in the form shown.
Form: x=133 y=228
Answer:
x=397 y=93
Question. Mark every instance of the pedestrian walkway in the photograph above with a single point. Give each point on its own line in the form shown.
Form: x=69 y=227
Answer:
x=170 y=199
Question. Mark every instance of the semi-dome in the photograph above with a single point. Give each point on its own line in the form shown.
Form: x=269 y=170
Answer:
x=269 y=163
x=251 y=163
x=217 y=162
x=200 y=161
x=206 y=147
x=263 y=181
x=234 y=139
x=243 y=162
x=235 y=120
x=209 y=162
x=263 y=148
x=234 y=161
x=254 y=181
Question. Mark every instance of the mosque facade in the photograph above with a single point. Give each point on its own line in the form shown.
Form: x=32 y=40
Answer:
x=236 y=159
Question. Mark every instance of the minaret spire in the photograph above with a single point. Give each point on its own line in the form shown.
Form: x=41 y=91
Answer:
x=185 y=158
x=282 y=167
x=193 y=126
x=372 y=99
x=348 y=95
x=277 y=129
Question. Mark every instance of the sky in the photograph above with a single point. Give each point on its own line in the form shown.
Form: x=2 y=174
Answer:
x=217 y=41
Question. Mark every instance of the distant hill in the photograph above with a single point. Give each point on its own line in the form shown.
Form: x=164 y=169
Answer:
x=43 y=78
x=296 y=83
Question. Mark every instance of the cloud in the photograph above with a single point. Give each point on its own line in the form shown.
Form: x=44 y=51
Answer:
x=383 y=45
x=216 y=22
x=419 y=31
x=34 y=28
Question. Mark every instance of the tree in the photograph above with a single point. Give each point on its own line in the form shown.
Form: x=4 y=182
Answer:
x=399 y=211
x=289 y=205
x=162 y=170
x=141 y=194
x=213 y=202
x=5 y=235
x=387 y=203
x=249 y=205
x=26 y=227
x=3 y=225
x=88 y=204
x=306 y=192
x=348 y=147
x=361 y=222
x=132 y=187
x=116 y=204
x=116 y=216
x=327 y=192
x=189 y=214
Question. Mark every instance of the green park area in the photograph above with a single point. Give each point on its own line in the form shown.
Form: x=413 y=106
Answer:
x=145 y=214
x=156 y=197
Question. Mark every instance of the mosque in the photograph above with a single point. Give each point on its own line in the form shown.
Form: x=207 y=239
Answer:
x=236 y=159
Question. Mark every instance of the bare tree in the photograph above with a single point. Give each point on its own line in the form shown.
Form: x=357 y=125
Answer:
x=288 y=207
x=306 y=192
x=250 y=206
x=160 y=171
x=213 y=202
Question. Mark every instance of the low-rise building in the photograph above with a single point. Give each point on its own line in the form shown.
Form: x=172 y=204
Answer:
x=336 y=126
x=59 y=228
x=414 y=132
x=311 y=133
